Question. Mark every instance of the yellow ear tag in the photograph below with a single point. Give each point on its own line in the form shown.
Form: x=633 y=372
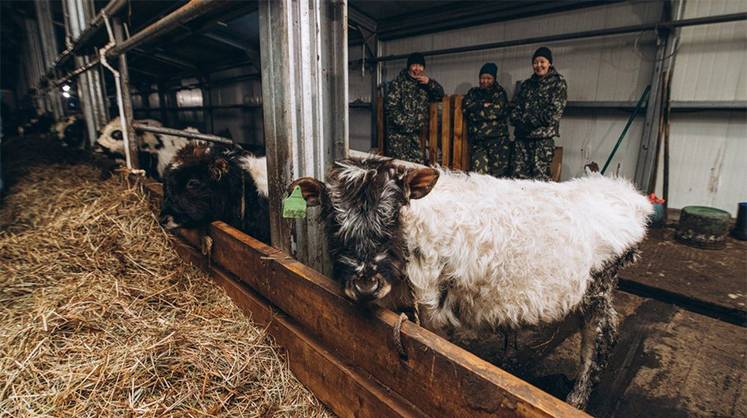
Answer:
x=294 y=206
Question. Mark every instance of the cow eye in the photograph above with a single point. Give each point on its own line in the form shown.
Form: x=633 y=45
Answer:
x=194 y=184
x=117 y=135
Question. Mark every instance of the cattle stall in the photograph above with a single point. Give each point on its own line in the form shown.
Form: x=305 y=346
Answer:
x=297 y=86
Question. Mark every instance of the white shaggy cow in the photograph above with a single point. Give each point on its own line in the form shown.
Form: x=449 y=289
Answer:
x=158 y=149
x=482 y=253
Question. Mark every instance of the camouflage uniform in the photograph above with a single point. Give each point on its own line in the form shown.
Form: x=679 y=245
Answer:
x=407 y=104
x=487 y=127
x=536 y=114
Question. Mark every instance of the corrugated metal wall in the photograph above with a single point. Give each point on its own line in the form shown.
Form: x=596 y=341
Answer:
x=605 y=69
x=710 y=66
x=708 y=160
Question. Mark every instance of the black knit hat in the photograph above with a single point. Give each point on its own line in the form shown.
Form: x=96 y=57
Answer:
x=543 y=52
x=489 y=68
x=415 y=58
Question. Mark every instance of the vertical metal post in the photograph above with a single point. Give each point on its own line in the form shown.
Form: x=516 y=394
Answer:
x=375 y=81
x=75 y=27
x=48 y=50
x=207 y=93
x=124 y=81
x=305 y=107
x=36 y=64
x=162 y=104
x=646 y=165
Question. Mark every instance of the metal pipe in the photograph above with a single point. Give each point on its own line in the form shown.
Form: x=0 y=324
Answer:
x=178 y=132
x=182 y=15
x=81 y=39
x=579 y=35
x=77 y=71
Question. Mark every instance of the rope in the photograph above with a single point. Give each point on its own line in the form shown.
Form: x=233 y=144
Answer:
x=397 y=335
x=206 y=248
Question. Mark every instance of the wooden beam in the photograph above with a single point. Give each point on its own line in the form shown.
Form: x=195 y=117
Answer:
x=315 y=366
x=458 y=134
x=446 y=131
x=433 y=134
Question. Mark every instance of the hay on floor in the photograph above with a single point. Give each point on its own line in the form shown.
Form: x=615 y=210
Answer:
x=99 y=316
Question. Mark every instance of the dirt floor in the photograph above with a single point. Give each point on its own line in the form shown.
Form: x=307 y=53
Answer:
x=100 y=317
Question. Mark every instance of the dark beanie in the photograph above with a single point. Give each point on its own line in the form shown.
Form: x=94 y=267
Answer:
x=415 y=58
x=489 y=68
x=543 y=52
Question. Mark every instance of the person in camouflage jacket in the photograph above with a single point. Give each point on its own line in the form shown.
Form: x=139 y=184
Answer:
x=486 y=110
x=407 y=103
x=535 y=114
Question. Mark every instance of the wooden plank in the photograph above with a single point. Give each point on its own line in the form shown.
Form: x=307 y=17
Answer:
x=556 y=164
x=459 y=142
x=446 y=131
x=433 y=134
x=315 y=366
x=438 y=377
x=380 y=123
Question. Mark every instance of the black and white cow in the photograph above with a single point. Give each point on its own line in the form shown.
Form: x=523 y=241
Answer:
x=206 y=182
x=156 y=150
x=481 y=253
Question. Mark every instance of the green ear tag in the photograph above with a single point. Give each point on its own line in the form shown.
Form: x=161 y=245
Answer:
x=294 y=206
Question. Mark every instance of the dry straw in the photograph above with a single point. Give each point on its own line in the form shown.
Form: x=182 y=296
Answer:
x=99 y=316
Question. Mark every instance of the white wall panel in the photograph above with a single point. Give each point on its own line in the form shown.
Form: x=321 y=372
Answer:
x=711 y=59
x=708 y=154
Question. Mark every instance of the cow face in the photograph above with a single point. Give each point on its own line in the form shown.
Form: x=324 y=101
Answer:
x=196 y=186
x=362 y=201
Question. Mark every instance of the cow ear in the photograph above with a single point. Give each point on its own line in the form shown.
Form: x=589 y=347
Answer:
x=218 y=168
x=420 y=181
x=311 y=189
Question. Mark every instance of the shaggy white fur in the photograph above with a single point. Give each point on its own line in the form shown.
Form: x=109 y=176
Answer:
x=257 y=168
x=515 y=252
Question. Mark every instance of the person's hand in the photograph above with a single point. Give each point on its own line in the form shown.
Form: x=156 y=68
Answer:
x=486 y=104
x=423 y=79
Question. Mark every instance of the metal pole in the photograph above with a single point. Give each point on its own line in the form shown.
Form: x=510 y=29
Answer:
x=162 y=104
x=124 y=85
x=305 y=107
x=646 y=165
x=210 y=114
x=80 y=40
x=181 y=133
x=49 y=50
x=182 y=15
x=734 y=17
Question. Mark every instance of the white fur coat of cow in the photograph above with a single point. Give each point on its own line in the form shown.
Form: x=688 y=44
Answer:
x=481 y=253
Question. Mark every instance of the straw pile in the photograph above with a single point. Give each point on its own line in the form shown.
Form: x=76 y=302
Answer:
x=99 y=316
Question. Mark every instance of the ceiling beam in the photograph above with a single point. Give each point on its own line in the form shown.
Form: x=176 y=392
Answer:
x=361 y=19
x=458 y=15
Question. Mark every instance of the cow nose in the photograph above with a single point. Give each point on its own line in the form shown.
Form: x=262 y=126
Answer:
x=366 y=287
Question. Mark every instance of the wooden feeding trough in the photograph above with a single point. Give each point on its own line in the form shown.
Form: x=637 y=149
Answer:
x=348 y=356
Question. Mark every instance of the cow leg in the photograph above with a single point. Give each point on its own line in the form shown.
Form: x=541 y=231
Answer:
x=597 y=339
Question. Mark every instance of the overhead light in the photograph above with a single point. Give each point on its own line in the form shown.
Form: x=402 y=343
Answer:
x=66 y=88
x=65 y=94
